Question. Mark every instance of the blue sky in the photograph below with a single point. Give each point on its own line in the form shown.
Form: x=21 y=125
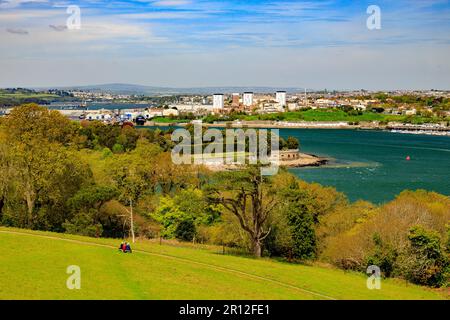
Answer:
x=185 y=43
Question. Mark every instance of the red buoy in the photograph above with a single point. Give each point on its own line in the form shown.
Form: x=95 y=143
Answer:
x=408 y=158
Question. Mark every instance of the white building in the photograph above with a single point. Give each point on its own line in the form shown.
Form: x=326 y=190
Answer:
x=218 y=101
x=170 y=112
x=100 y=115
x=247 y=99
x=293 y=106
x=411 y=112
x=281 y=98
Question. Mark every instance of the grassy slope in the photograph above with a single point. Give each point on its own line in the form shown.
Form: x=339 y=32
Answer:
x=34 y=268
x=328 y=115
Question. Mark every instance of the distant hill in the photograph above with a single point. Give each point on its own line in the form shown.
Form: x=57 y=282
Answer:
x=120 y=88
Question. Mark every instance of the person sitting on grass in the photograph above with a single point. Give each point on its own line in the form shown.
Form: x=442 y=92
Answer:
x=128 y=248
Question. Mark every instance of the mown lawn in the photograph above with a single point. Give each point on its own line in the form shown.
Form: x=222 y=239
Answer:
x=34 y=267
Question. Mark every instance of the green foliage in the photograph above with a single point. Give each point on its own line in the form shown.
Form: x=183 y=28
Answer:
x=106 y=153
x=384 y=256
x=83 y=224
x=91 y=197
x=250 y=197
x=185 y=230
x=182 y=214
x=118 y=148
x=447 y=245
x=425 y=262
x=175 y=222
x=300 y=220
x=292 y=143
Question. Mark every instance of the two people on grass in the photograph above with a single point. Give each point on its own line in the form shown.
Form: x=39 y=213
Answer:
x=125 y=247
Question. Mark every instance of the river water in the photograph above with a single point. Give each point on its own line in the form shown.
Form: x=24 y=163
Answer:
x=373 y=165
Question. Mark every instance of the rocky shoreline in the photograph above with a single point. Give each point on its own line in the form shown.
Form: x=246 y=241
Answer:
x=305 y=160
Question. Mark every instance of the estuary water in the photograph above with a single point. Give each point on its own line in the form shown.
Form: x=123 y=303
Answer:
x=373 y=165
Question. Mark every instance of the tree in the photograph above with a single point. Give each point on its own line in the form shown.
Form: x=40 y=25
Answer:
x=182 y=214
x=249 y=197
x=301 y=221
x=292 y=143
x=425 y=263
x=83 y=224
x=40 y=173
x=175 y=222
x=85 y=206
x=45 y=177
x=31 y=123
x=92 y=197
x=132 y=173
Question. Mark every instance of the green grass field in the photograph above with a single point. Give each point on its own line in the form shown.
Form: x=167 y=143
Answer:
x=33 y=266
x=325 y=115
x=30 y=95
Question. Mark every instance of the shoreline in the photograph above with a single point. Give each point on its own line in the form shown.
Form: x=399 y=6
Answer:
x=426 y=129
x=305 y=160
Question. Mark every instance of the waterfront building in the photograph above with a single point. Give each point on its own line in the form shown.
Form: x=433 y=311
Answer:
x=248 y=99
x=292 y=154
x=100 y=115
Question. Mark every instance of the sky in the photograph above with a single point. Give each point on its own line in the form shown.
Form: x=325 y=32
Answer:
x=322 y=44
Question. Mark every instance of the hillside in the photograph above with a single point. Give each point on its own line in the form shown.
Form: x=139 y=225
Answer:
x=34 y=267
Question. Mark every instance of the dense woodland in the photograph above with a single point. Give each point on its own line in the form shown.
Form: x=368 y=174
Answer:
x=81 y=178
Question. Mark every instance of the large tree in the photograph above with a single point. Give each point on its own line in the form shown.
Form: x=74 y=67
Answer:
x=39 y=172
x=249 y=196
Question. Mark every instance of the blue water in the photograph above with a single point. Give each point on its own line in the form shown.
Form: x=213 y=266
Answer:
x=372 y=165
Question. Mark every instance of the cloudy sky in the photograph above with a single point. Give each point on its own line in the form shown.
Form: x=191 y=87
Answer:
x=188 y=43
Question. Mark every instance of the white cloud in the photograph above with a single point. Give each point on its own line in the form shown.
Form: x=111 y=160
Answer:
x=171 y=3
x=16 y=3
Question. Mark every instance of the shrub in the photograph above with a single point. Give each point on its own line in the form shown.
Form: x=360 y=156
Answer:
x=118 y=148
x=83 y=224
x=424 y=262
x=384 y=256
x=185 y=230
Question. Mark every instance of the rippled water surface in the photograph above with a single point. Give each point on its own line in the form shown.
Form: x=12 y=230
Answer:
x=372 y=165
